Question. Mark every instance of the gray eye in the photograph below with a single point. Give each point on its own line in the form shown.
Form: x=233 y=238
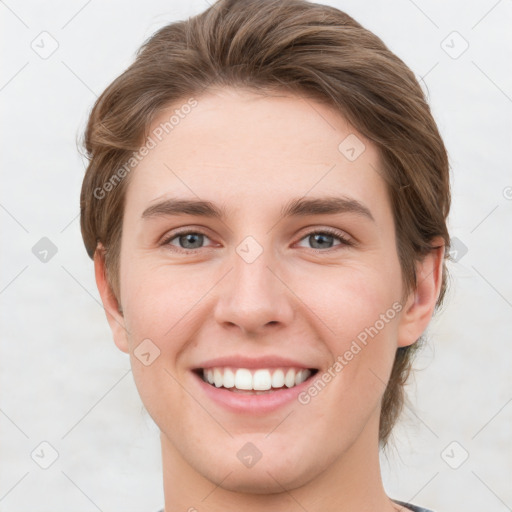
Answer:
x=191 y=240
x=321 y=240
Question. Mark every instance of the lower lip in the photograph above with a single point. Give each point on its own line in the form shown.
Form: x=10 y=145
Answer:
x=251 y=404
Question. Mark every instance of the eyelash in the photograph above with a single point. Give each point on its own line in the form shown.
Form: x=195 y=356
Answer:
x=344 y=241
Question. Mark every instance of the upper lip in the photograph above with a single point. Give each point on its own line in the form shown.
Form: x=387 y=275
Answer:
x=268 y=361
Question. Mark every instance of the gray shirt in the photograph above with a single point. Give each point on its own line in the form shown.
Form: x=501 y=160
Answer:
x=414 y=508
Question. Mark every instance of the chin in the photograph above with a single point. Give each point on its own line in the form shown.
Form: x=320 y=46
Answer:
x=266 y=480
x=274 y=472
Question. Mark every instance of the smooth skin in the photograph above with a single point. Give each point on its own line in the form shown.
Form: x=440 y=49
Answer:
x=303 y=297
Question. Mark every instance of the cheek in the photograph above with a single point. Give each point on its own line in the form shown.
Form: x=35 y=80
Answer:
x=348 y=300
x=359 y=313
x=158 y=299
x=159 y=307
x=156 y=310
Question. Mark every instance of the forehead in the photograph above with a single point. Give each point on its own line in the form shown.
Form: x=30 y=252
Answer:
x=241 y=147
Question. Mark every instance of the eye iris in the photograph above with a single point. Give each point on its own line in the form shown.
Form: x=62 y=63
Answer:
x=313 y=239
x=193 y=238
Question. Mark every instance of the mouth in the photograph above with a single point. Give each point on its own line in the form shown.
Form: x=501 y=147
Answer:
x=255 y=381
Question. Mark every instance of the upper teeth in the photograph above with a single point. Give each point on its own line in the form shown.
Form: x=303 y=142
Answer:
x=257 y=380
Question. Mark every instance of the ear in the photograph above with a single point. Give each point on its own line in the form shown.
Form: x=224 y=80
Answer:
x=110 y=304
x=420 y=304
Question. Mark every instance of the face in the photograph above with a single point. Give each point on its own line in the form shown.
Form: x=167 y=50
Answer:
x=282 y=287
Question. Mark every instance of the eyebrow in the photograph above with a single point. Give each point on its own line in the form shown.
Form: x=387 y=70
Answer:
x=299 y=207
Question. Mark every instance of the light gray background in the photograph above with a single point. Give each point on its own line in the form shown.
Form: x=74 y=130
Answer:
x=63 y=381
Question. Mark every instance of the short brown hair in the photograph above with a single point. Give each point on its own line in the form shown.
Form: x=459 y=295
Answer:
x=275 y=45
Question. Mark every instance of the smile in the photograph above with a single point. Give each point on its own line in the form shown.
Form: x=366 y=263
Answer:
x=255 y=381
x=252 y=385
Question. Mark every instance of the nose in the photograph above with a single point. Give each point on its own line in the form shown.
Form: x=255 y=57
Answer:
x=253 y=297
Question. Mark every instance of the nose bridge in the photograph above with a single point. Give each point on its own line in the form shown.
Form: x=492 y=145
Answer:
x=252 y=296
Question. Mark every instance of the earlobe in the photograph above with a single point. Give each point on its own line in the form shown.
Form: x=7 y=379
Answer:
x=420 y=304
x=111 y=305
